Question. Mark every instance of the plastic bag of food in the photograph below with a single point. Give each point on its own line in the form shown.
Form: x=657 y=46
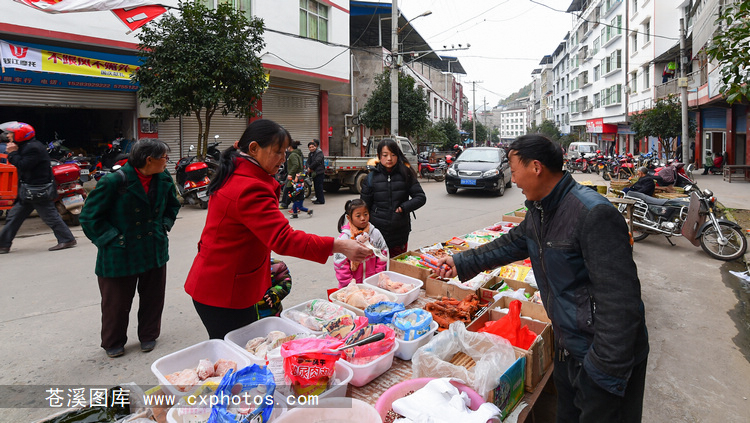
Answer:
x=382 y=312
x=509 y=327
x=309 y=364
x=492 y=354
x=341 y=327
x=249 y=392
x=414 y=323
x=368 y=352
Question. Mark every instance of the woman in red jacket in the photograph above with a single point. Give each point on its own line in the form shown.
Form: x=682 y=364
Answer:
x=230 y=274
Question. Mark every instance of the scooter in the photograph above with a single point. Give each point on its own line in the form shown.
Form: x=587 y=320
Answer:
x=428 y=171
x=213 y=157
x=192 y=180
x=70 y=192
x=694 y=218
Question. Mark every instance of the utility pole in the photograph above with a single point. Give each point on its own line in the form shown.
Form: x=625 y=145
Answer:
x=484 y=111
x=684 y=94
x=474 y=107
x=394 y=68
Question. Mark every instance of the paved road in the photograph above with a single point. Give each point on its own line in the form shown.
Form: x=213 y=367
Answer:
x=699 y=369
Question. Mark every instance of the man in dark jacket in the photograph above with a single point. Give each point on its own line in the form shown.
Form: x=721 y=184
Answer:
x=583 y=263
x=294 y=166
x=644 y=184
x=316 y=167
x=33 y=163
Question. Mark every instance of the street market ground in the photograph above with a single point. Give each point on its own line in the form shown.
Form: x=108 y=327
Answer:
x=696 y=311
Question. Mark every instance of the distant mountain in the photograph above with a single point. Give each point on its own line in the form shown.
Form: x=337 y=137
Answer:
x=523 y=92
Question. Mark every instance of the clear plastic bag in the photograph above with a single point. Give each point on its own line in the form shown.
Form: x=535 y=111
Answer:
x=493 y=356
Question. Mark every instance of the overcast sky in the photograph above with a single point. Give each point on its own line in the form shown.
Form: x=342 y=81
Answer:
x=508 y=38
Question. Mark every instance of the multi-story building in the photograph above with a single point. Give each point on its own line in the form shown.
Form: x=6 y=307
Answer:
x=597 y=48
x=514 y=121
x=560 y=84
x=546 y=90
x=303 y=56
x=370 y=32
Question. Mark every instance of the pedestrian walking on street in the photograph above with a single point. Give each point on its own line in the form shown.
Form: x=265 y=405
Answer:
x=588 y=282
x=392 y=192
x=294 y=165
x=316 y=168
x=127 y=216
x=230 y=273
x=31 y=159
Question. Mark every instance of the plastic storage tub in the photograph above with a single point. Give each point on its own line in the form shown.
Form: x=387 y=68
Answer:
x=301 y=307
x=279 y=409
x=399 y=390
x=406 y=349
x=239 y=337
x=406 y=298
x=187 y=358
x=364 y=373
x=333 y=410
x=360 y=311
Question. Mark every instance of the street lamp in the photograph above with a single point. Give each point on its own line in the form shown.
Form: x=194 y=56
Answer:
x=395 y=30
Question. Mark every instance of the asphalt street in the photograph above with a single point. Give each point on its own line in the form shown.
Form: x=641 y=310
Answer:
x=698 y=368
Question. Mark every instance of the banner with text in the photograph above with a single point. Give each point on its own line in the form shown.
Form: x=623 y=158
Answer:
x=28 y=58
x=63 y=6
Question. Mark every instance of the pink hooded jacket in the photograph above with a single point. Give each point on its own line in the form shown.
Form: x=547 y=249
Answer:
x=373 y=265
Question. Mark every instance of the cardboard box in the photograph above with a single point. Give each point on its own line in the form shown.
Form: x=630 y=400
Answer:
x=528 y=309
x=437 y=288
x=510 y=388
x=486 y=294
x=539 y=355
x=514 y=219
x=407 y=269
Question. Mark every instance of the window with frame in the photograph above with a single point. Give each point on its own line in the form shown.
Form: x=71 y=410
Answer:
x=596 y=73
x=595 y=48
x=313 y=20
x=646 y=77
x=635 y=5
x=634 y=41
x=241 y=5
x=597 y=100
x=634 y=81
x=646 y=32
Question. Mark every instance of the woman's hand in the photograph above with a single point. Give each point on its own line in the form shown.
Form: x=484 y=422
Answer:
x=399 y=210
x=451 y=269
x=352 y=249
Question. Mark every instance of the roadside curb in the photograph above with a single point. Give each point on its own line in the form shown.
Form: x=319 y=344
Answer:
x=729 y=216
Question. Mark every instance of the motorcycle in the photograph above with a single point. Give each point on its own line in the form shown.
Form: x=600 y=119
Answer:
x=682 y=178
x=624 y=167
x=694 y=218
x=192 y=180
x=62 y=154
x=111 y=157
x=70 y=192
x=428 y=171
x=213 y=157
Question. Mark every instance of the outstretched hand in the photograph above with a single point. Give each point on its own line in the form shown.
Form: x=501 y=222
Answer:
x=352 y=249
x=451 y=268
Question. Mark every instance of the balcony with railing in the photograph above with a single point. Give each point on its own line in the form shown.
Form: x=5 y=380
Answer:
x=670 y=88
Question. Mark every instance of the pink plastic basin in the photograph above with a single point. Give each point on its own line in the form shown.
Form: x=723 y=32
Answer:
x=383 y=405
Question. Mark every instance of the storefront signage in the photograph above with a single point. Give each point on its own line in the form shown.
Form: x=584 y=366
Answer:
x=63 y=6
x=597 y=126
x=32 y=59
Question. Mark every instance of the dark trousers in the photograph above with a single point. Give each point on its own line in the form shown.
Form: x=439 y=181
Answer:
x=219 y=320
x=318 y=184
x=117 y=299
x=285 y=195
x=397 y=250
x=297 y=207
x=47 y=211
x=581 y=400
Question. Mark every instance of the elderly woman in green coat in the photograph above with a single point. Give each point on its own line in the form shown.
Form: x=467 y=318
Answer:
x=127 y=216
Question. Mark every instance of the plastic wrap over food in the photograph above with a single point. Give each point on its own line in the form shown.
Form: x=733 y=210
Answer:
x=364 y=354
x=382 y=312
x=413 y=323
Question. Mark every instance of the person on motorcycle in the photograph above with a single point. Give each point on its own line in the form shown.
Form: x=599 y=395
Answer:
x=666 y=175
x=644 y=184
x=30 y=156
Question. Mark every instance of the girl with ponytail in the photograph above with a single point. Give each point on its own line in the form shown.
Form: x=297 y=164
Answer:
x=358 y=227
x=230 y=274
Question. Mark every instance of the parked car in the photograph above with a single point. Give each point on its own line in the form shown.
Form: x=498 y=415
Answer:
x=484 y=168
x=576 y=148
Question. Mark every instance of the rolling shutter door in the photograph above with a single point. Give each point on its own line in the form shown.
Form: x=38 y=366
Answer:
x=66 y=97
x=714 y=118
x=169 y=132
x=295 y=105
x=183 y=132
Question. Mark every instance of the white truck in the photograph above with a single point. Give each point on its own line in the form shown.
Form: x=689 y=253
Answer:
x=352 y=171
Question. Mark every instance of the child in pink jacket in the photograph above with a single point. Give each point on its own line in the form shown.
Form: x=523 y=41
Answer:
x=358 y=227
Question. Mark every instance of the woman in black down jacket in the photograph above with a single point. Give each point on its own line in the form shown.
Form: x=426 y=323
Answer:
x=391 y=193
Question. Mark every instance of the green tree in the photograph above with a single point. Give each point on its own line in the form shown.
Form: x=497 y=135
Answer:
x=729 y=47
x=468 y=126
x=495 y=136
x=199 y=62
x=663 y=121
x=547 y=128
x=432 y=135
x=413 y=108
x=452 y=137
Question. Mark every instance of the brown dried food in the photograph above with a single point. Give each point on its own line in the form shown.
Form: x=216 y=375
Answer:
x=449 y=310
x=463 y=359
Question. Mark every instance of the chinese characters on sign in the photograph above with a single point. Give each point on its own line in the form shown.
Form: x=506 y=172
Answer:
x=97 y=397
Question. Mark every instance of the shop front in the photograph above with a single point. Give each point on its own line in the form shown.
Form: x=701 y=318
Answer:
x=82 y=96
x=604 y=134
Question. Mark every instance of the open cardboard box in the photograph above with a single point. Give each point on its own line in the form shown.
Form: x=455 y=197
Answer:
x=539 y=356
x=486 y=294
x=407 y=269
x=438 y=288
